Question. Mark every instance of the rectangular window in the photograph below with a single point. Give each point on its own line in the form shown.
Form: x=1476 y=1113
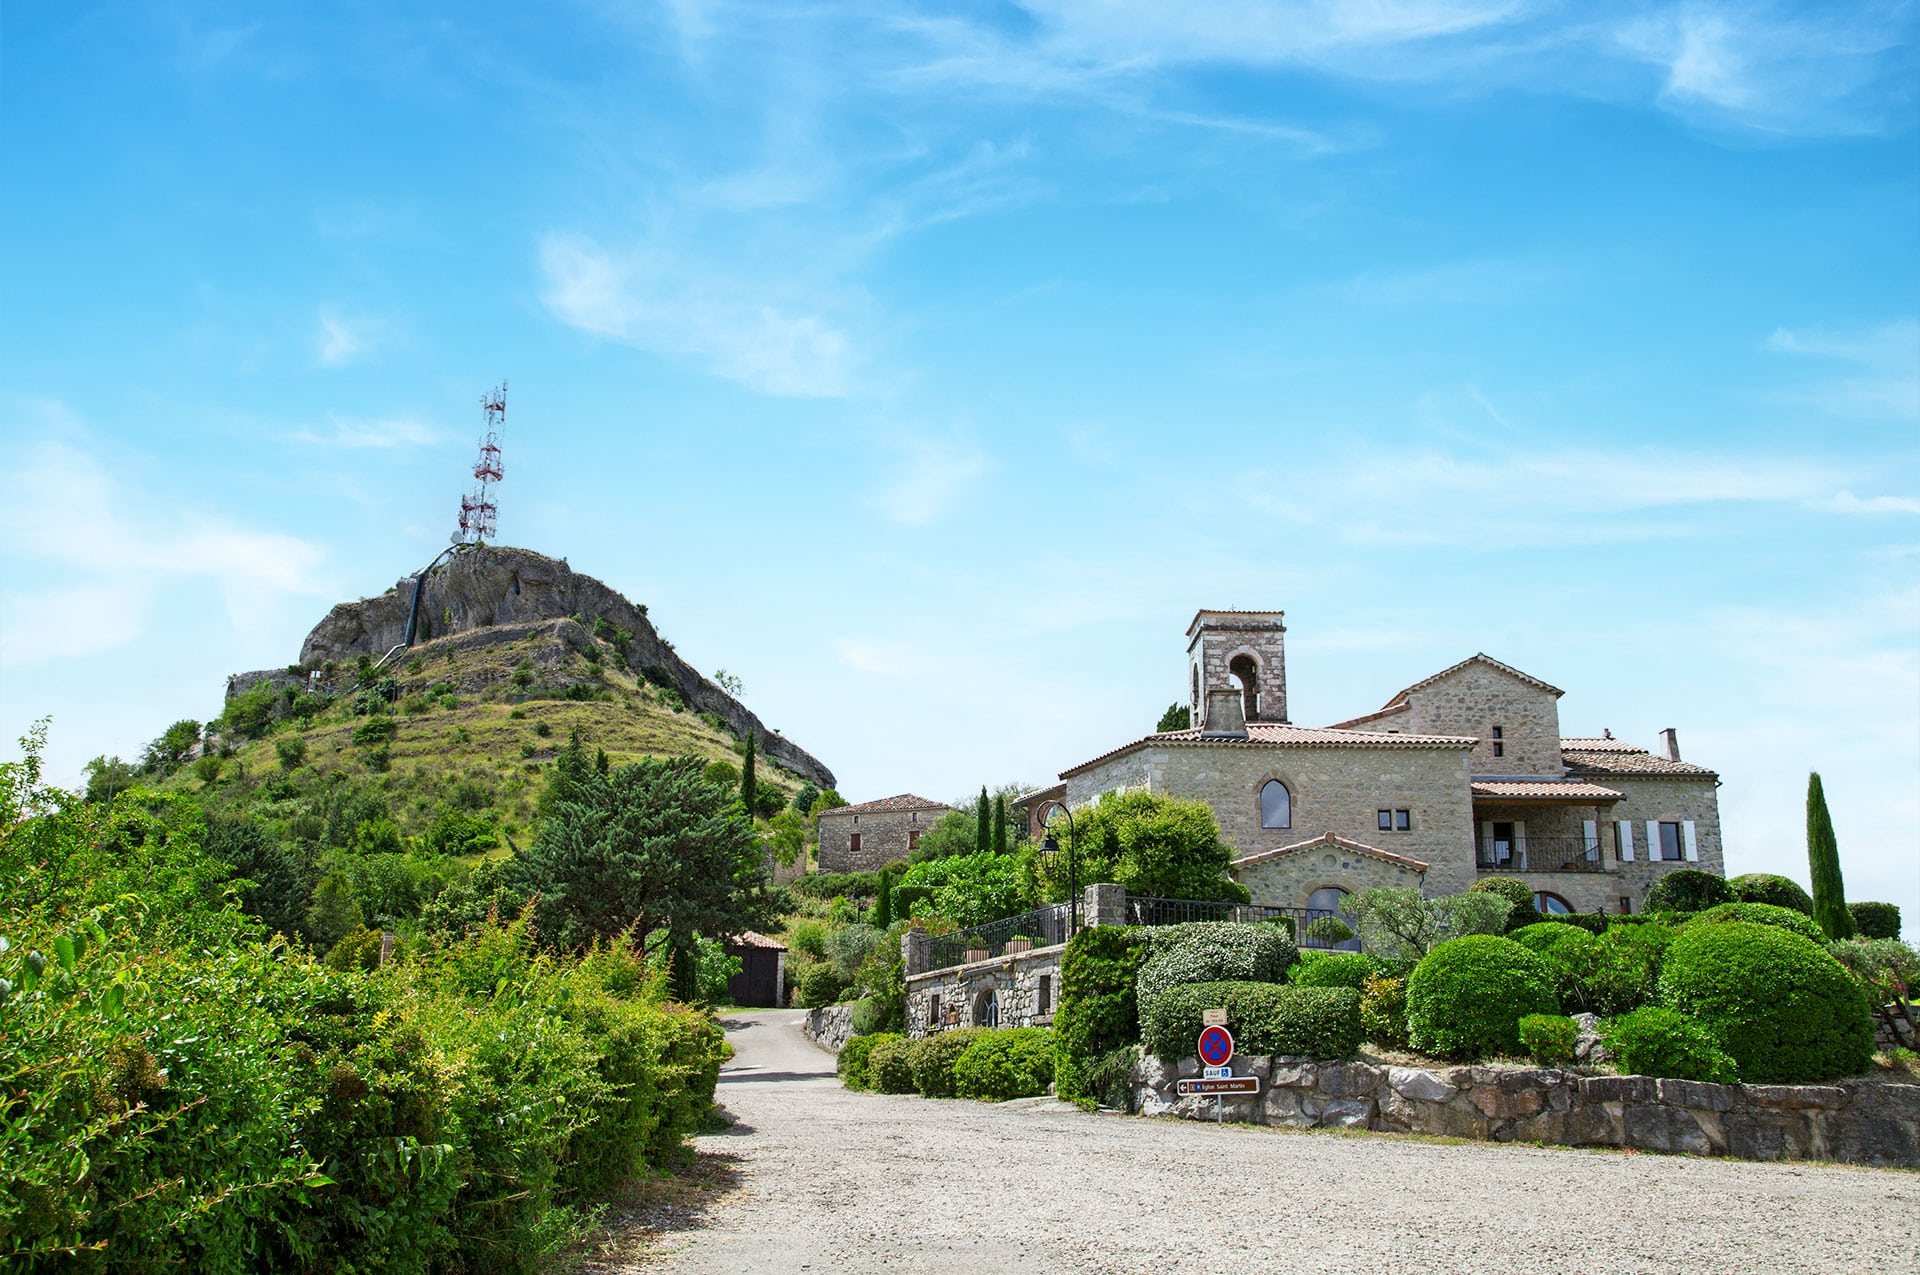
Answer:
x=1670 y=847
x=933 y=1011
x=1626 y=906
x=854 y=847
x=1499 y=742
x=913 y=840
x=1386 y=819
x=1403 y=821
x=1044 y=1005
x=1500 y=853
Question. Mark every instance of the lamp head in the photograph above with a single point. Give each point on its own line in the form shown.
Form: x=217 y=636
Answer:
x=1048 y=845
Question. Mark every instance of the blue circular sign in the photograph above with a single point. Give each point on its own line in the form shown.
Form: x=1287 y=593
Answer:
x=1216 y=1046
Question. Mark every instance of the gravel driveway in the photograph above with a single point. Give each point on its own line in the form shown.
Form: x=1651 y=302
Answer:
x=839 y=1181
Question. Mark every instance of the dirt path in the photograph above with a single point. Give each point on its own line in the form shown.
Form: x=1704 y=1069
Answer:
x=837 y=1181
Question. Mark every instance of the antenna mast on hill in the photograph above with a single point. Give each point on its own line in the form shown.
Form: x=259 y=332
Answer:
x=478 y=514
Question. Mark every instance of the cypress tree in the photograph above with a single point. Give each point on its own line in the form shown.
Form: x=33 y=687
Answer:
x=982 y=834
x=1823 y=861
x=1000 y=823
x=748 y=782
x=883 y=906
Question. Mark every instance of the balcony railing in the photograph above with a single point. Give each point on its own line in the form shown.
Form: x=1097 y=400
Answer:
x=1543 y=854
x=1141 y=911
x=1042 y=927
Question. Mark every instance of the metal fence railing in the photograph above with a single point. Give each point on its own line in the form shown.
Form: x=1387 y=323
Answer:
x=1042 y=927
x=1543 y=854
x=1299 y=921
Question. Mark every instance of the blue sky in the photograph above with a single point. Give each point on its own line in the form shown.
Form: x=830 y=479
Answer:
x=928 y=367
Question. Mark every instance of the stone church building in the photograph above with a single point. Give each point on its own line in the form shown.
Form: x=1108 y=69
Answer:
x=1462 y=775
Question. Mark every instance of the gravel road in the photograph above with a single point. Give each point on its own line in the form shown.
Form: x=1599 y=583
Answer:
x=837 y=1181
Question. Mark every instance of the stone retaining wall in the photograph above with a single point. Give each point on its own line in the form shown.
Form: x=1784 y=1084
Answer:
x=830 y=1026
x=1025 y=988
x=1854 y=1122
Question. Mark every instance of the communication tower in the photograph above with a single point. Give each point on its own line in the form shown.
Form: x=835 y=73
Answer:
x=478 y=514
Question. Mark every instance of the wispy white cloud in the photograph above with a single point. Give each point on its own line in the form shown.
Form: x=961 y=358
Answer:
x=339 y=340
x=1888 y=359
x=379 y=435
x=929 y=478
x=745 y=330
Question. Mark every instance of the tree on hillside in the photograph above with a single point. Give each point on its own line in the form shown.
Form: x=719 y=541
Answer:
x=1000 y=823
x=652 y=845
x=982 y=829
x=1823 y=861
x=1177 y=717
x=1161 y=847
x=749 y=783
x=107 y=776
x=165 y=754
x=804 y=799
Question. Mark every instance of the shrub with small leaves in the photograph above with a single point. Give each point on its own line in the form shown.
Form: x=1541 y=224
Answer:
x=1514 y=891
x=1333 y=969
x=375 y=730
x=291 y=751
x=1654 y=1041
x=933 y=1057
x=855 y=1057
x=1265 y=1018
x=1688 y=890
x=1383 y=1010
x=1466 y=997
x=1013 y=1063
x=1798 y=922
x=1876 y=920
x=1767 y=887
x=1549 y=1038
x=821 y=986
x=1211 y=952
x=889 y=1069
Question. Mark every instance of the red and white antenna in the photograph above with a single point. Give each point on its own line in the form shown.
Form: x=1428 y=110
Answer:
x=478 y=514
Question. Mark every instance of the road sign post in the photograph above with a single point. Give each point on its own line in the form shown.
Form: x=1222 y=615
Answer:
x=1215 y=1048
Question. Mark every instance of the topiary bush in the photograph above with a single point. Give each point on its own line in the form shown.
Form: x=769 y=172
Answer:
x=856 y=1057
x=932 y=1059
x=1098 y=1012
x=1768 y=887
x=1212 y=952
x=1014 y=1063
x=1626 y=968
x=1653 y=1041
x=1571 y=951
x=1549 y=1038
x=1333 y=969
x=1782 y=1007
x=1875 y=920
x=1762 y=914
x=1687 y=890
x=1383 y=1010
x=820 y=986
x=1514 y=891
x=1466 y=997
x=1265 y=1018
x=889 y=1067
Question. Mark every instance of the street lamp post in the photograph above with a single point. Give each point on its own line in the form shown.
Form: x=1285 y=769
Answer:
x=1049 y=846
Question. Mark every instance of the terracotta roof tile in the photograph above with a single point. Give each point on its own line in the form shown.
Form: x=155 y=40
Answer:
x=1543 y=790
x=1276 y=735
x=905 y=801
x=750 y=939
x=1623 y=761
x=1335 y=842
x=1479 y=657
x=1608 y=744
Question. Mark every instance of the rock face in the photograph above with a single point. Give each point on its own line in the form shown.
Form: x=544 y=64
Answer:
x=495 y=587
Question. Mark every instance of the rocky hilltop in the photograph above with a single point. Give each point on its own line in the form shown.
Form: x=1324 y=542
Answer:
x=492 y=595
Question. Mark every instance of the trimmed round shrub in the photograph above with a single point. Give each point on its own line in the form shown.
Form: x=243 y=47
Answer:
x=1213 y=952
x=856 y=1058
x=1383 y=1010
x=932 y=1059
x=1652 y=1041
x=1466 y=997
x=1876 y=920
x=1592 y=922
x=1549 y=1038
x=1688 y=890
x=1762 y=914
x=1625 y=973
x=1333 y=969
x=1786 y=1011
x=1572 y=952
x=1768 y=887
x=1544 y=936
x=820 y=986
x=1014 y=1063
x=888 y=1068
x=1514 y=891
x=1265 y=1018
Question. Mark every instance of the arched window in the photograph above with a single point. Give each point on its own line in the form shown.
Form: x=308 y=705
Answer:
x=1276 y=805
x=1551 y=904
x=1247 y=671
x=986 y=1009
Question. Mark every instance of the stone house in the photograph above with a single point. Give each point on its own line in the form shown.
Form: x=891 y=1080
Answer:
x=874 y=833
x=1462 y=775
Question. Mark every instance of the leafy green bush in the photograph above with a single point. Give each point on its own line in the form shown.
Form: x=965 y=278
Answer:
x=1766 y=887
x=1594 y=923
x=856 y=1057
x=375 y=730
x=1265 y=1018
x=1212 y=952
x=1466 y=997
x=291 y=751
x=1383 y=1010
x=1761 y=914
x=890 y=1066
x=821 y=986
x=1399 y=922
x=1785 y=1009
x=1572 y=952
x=1333 y=969
x=850 y=944
x=1325 y=929
x=967 y=889
x=933 y=1057
x=1875 y=920
x=1654 y=1041
x=1098 y=1011
x=1688 y=890
x=1626 y=967
x=1514 y=891
x=1549 y=1038
x=1159 y=847
x=1013 y=1063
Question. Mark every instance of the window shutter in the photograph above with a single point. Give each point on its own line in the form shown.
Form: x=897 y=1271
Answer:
x=1590 y=834
x=1486 y=841
x=1653 y=840
x=1686 y=839
x=1624 y=828
x=1520 y=843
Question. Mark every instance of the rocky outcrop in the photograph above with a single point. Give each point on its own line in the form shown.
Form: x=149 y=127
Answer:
x=494 y=588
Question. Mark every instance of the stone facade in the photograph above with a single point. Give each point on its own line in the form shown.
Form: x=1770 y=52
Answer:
x=1475 y=698
x=875 y=833
x=1855 y=1122
x=1289 y=877
x=1018 y=990
x=1243 y=652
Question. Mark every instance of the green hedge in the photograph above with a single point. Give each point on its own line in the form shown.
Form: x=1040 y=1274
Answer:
x=1779 y=1004
x=933 y=1057
x=1549 y=1038
x=1212 y=952
x=1098 y=1013
x=1573 y=953
x=1625 y=973
x=890 y=1066
x=1688 y=890
x=1334 y=969
x=821 y=986
x=1467 y=996
x=1762 y=914
x=1265 y=1018
x=1766 y=887
x=1016 y=1062
x=1875 y=920
x=856 y=1057
x=1653 y=1041
x=1383 y=1011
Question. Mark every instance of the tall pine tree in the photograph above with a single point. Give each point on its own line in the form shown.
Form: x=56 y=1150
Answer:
x=982 y=832
x=1823 y=861
x=749 y=784
x=1000 y=823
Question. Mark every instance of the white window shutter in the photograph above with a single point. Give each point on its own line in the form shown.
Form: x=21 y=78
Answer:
x=1590 y=837
x=1486 y=840
x=1520 y=843
x=1653 y=840
x=1686 y=838
x=1624 y=828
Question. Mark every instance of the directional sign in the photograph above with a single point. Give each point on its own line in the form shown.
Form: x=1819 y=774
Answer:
x=1216 y=1046
x=1231 y=1084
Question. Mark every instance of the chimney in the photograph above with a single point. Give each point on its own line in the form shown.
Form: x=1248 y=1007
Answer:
x=1670 y=741
x=1226 y=716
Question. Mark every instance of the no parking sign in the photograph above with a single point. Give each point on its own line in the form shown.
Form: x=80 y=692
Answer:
x=1216 y=1046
